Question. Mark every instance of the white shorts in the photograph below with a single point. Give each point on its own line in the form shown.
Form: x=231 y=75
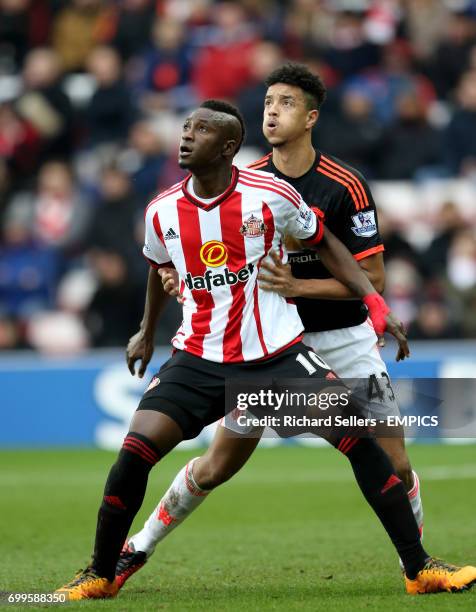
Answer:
x=352 y=353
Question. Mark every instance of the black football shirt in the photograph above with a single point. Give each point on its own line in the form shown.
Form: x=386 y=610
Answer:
x=346 y=206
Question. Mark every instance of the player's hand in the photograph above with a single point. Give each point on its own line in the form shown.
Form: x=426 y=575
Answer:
x=279 y=277
x=139 y=347
x=384 y=320
x=171 y=283
x=397 y=329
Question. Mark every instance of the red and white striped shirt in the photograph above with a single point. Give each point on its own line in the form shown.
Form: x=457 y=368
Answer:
x=217 y=248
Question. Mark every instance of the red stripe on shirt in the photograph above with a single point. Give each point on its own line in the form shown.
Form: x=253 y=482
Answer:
x=279 y=350
x=189 y=225
x=274 y=188
x=158 y=229
x=164 y=194
x=318 y=234
x=292 y=194
x=258 y=166
x=368 y=252
x=160 y=236
x=350 y=176
x=268 y=243
x=231 y=219
x=272 y=180
x=346 y=184
x=263 y=182
x=350 y=184
x=260 y=160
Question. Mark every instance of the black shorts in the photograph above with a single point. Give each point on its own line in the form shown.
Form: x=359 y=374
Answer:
x=191 y=390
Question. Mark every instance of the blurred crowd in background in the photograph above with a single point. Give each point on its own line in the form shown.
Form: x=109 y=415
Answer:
x=92 y=97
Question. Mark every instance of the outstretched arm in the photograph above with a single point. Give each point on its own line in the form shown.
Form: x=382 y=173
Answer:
x=332 y=289
x=342 y=265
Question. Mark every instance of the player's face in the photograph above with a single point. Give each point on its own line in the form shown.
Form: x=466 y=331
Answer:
x=202 y=140
x=286 y=115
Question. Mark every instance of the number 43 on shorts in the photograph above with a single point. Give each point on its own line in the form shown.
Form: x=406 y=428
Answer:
x=378 y=386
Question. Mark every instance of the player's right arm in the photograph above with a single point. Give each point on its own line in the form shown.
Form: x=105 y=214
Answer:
x=141 y=345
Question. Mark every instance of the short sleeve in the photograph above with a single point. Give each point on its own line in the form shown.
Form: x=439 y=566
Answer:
x=356 y=223
x=301 y=221
x=304 y=223
x=154 y=249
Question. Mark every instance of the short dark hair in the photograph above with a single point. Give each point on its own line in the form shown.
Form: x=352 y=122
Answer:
x=300 y=76
x=225 y=107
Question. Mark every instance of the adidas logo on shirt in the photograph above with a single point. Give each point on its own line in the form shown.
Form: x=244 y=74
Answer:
x=170 y=234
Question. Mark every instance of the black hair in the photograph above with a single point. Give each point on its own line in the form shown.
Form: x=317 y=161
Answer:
x=300 y=76
x=228 y=109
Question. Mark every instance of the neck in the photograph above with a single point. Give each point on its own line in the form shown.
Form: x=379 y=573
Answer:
x=294 y=158
x=211 y=182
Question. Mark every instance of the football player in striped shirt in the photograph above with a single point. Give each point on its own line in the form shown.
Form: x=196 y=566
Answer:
x=337 y=326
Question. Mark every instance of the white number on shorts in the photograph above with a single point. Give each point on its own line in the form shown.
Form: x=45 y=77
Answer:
x=304 y=361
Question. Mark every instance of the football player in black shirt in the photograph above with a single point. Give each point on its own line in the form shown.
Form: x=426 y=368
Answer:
x=336 y=324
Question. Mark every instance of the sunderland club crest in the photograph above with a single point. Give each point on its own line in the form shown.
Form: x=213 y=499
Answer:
x=253 y=227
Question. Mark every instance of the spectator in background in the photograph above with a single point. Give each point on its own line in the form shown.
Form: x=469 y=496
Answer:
x=451 y=56
x=116 y=308
x=461 y=266
x=394 y=77
x=349 y=52
x=222 y=66
x=113 y=223
x=56 y=213
x=425 y=22
x=45 y=105
x=110 y=112
x=354 y=134
x=434 y=322
x=131 y=26
x=20 y=144
x=77 y=28
x=402 y=287
x=459 y=151
x=410 y=144
x=5 y=183
x=266 y=56
x=146 y=160
x=23 y=24
x=468 y=315
x=162 y=73
x=435 y=258
x=396 y=246
x=29 y=270
x=14 y=33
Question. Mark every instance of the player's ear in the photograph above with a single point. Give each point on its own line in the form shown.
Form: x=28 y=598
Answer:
x=312 y=117
x=229 y=148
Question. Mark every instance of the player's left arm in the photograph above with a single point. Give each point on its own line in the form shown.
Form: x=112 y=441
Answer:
x=355 y=223
x=288 y=285
x=305 y=225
